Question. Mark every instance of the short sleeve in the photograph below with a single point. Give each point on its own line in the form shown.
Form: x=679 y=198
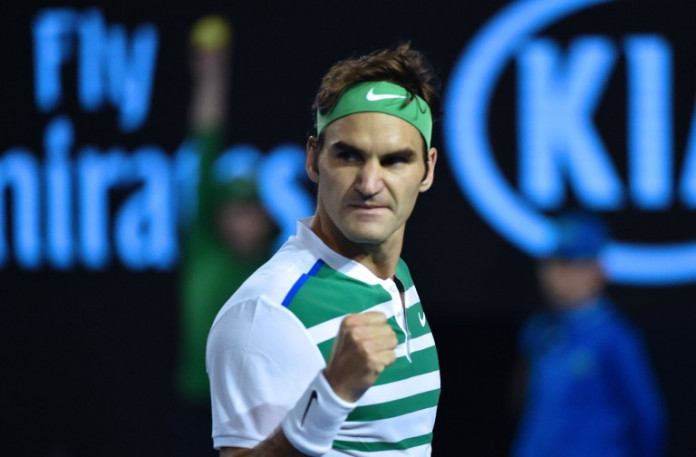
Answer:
x=260 y=359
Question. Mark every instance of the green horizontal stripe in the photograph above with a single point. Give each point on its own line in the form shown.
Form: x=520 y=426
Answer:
x=330 y=294
x=395 y=408
x=376 y=447
x=422 y=362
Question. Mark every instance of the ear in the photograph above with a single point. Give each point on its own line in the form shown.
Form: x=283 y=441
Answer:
x=311 y=159
x=428 y=180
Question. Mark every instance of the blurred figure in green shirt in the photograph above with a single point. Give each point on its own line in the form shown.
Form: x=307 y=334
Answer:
x=225 y=239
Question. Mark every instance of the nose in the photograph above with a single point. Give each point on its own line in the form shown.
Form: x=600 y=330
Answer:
x=369 y=181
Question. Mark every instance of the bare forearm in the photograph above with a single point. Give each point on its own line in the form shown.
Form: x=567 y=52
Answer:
x=209 y=101
x=275 y=445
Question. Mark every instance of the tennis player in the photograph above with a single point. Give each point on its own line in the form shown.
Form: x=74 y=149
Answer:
x=326 y=350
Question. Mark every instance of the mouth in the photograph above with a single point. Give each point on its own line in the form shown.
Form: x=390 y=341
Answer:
x=366 y=208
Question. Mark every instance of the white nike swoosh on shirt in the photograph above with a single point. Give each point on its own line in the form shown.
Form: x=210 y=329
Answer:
x=421 y=318
x=372 y=97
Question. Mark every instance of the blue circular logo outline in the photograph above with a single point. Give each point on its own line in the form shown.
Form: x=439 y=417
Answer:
x=477 y=175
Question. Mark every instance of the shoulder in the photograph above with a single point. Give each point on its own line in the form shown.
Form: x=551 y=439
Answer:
x=274 y=279
x=621 y=336
x=260 y=326
x=616 y=325
x=255 y=314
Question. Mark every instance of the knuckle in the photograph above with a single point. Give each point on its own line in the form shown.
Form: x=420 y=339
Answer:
x=374 y=316
x=348 y=320
x=357 y=334
x=379 y=317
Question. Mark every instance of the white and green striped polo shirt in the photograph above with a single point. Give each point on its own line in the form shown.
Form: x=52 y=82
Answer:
x=276 y=332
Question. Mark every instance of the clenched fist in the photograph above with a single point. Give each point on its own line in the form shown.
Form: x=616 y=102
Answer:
x=363 y=348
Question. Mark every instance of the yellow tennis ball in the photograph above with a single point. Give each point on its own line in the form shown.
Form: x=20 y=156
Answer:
x=211 y=32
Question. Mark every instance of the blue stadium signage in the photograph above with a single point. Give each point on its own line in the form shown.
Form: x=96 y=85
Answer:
x=559 y=146
x=56 y=206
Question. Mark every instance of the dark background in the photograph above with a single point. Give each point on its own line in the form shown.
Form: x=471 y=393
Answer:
x=87 y=357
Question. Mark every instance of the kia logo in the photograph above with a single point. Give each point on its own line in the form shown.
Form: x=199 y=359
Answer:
x=558 y=144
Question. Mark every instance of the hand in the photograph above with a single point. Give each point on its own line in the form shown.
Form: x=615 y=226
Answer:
x=363 y=348
x=210 y=58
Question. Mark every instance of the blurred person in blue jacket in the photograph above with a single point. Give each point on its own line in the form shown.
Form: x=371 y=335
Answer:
x=589 y=387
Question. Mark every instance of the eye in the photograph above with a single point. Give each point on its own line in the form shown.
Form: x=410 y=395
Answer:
x=348 y=155
x=397 y=159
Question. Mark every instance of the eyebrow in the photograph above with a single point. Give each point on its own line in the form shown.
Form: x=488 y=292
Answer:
x=342 y=146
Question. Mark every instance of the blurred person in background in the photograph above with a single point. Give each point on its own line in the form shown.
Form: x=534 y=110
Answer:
x=227 y=237
x=590 y=390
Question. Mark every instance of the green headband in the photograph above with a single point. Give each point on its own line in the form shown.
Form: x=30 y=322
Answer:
x=381 y=97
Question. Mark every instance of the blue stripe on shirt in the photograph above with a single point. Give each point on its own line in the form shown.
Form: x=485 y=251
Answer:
x=300 y=282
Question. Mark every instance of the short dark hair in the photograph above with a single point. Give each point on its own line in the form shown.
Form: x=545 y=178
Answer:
x=401 y=65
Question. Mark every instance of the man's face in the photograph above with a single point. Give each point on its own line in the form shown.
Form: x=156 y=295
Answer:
x=567 y=284
x=369 y=174
x=244 y=227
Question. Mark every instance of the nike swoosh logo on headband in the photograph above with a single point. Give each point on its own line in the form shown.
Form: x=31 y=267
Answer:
x=372 y=97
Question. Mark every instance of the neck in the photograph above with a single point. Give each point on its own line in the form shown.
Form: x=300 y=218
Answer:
x=588 y=301
x=380 y=258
